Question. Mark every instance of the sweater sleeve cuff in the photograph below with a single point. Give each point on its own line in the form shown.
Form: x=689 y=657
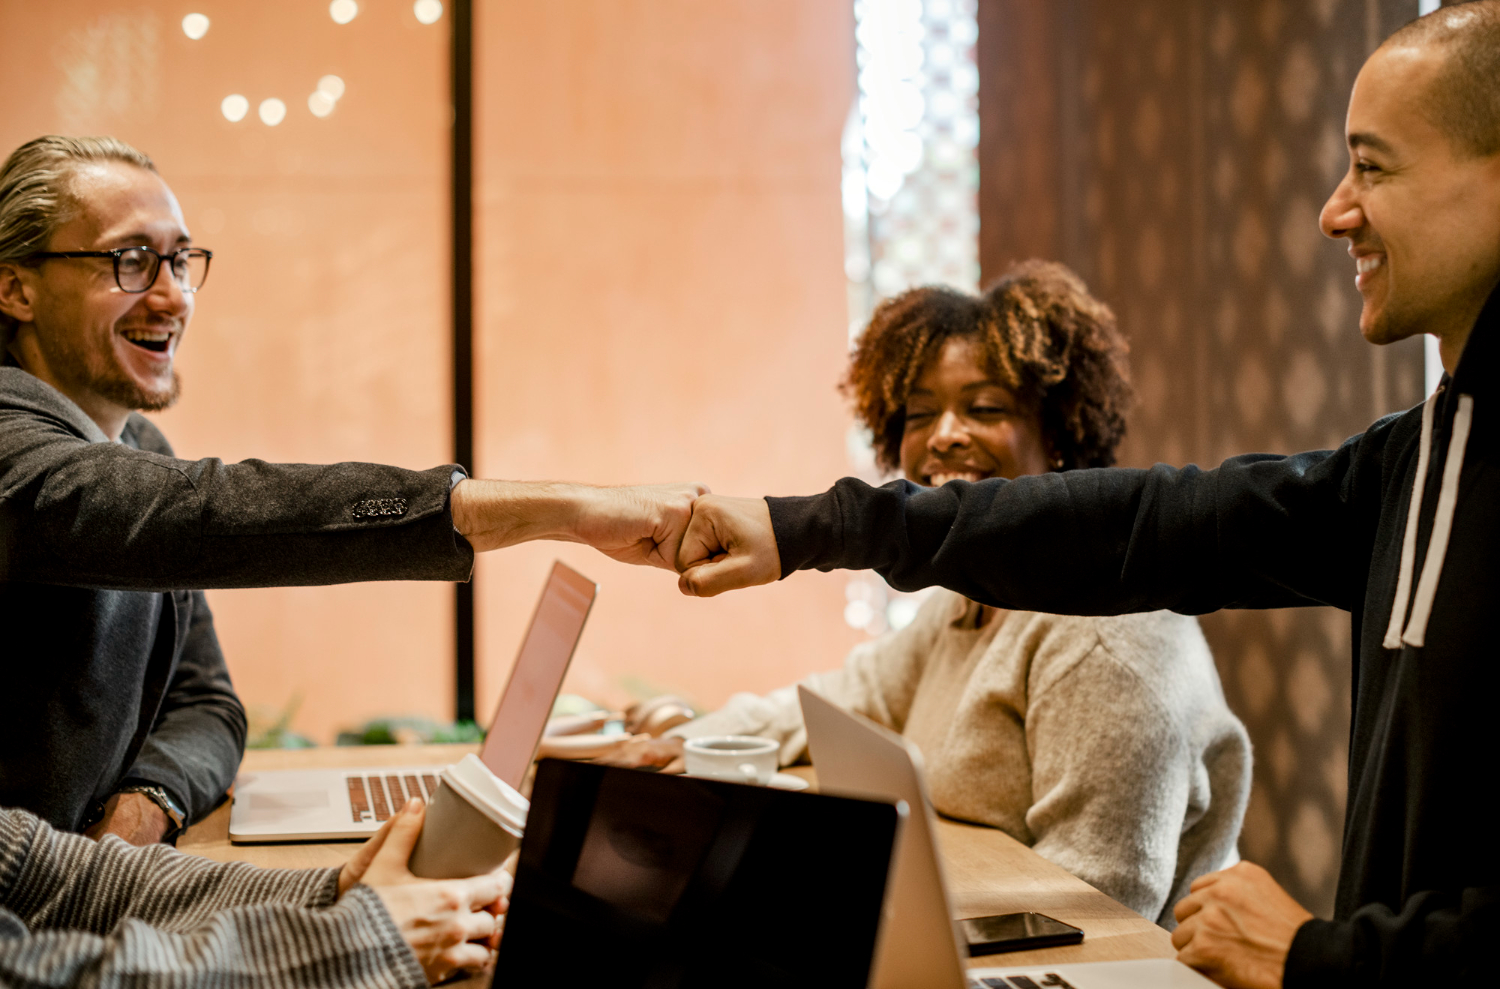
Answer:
x=807 y=531
x=326 y=892
x=1322 y=955
x=399 y=955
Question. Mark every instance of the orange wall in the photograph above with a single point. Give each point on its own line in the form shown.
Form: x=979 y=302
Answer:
x=322 y=331
x=662 y=298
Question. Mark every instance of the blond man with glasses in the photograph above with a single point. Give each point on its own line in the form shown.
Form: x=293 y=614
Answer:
x=120 y=717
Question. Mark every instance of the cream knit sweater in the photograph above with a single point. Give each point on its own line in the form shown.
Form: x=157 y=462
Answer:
x=1103 y=743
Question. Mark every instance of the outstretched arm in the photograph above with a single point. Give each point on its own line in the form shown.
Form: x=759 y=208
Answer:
x=1259 y=531
x=95 y=514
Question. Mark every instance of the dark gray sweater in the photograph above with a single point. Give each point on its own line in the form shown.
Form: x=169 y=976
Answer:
x=105 y=637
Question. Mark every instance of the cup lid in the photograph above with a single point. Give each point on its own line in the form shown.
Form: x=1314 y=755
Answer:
x=488 y=793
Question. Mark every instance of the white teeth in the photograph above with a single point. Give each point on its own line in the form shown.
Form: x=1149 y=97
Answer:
x=153 y=335
x=938 y=480
x=1368 y=264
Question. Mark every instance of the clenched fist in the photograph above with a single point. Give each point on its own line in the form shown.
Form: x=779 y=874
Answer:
x=729 y=544
x=642 y=525
x=1236 y=926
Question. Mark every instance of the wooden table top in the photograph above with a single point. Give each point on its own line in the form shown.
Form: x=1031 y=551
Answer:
x=988 y=871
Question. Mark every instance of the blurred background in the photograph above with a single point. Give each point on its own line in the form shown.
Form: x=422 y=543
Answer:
x=682 y=213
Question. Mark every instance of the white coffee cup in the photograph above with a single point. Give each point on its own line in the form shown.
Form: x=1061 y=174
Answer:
x=474 y=822
x=740 y=758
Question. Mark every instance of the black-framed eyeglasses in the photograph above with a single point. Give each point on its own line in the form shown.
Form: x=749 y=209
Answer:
x=136 y=267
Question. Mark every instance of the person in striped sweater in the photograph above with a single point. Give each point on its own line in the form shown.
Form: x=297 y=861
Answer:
x=74 y=911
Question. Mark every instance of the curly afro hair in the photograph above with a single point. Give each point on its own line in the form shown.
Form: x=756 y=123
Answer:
x=1043 y=336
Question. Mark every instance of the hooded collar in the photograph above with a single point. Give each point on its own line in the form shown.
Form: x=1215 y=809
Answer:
x=1480 y=361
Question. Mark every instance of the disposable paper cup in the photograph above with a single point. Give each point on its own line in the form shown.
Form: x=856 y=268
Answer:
x=473 y=823
x=740 y=758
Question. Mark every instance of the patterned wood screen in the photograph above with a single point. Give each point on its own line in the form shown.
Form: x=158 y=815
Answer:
x=1176 y=155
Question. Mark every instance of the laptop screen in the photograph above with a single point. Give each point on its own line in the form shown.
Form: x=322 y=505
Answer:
x=538 y=674
x=631 y=879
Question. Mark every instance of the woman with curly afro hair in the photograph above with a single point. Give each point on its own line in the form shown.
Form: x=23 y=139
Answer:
x=1037 y=336
x=1028 y=378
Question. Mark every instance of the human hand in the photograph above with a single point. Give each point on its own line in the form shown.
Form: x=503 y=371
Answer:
x=1236 y=926
x=729 y=544
x=658 y=715
x=451 y=924
x=643 y=752
x=641 y=525
x=134 y=817
x=581 y=746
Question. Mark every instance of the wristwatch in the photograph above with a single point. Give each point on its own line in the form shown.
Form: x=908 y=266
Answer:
x=161 y=798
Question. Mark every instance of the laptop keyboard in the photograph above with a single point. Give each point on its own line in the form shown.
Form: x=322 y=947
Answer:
x=375 y=798
x=1049 y=981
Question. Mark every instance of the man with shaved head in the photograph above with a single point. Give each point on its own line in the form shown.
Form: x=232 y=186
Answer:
x=1400 y=526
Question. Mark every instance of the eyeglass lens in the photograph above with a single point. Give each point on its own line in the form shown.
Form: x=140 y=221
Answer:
x=136 y=268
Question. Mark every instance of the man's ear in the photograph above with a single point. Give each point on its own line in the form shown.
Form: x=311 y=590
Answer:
x=15 y=293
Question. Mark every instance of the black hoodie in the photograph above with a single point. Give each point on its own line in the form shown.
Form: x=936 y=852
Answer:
x=1419 y=886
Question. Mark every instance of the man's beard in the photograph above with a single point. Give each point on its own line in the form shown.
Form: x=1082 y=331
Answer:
x=100 y=372
x=121 y=389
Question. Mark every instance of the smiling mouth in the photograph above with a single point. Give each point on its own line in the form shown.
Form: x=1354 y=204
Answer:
x=1365 y=268
x=156 y=341
x=942 y=477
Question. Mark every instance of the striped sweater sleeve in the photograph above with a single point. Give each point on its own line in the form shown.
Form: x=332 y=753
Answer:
x=74 y=912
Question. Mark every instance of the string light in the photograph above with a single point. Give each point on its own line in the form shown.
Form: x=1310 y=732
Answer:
x=343 y=11
x=195 y=26
x=234 y=107
x=320 y=103
x=272 y=111
x=326 y=96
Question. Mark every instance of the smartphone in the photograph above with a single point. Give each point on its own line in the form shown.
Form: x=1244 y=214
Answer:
x=1016 y=932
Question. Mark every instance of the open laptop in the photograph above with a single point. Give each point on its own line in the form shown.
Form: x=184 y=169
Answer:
x=632 y=879
x=920 y=946
x=333 y=804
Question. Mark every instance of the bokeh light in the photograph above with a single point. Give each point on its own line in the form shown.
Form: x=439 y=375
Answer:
x=234 y=107
x=320 y=103
x=331 y=87
x=428 y=11
x=272 y=111
x=343 y=11
x=195 y=26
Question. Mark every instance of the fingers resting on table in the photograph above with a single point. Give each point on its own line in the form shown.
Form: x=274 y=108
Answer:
x=1236 y=926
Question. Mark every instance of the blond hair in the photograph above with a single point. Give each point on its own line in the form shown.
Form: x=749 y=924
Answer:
x=35 y=198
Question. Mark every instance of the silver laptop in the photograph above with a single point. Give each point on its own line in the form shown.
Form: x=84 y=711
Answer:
x=920 y=946
x=333 y=804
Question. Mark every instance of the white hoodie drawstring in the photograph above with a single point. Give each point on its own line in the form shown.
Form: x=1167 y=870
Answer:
x=1442 y=527
x=1409 y=541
